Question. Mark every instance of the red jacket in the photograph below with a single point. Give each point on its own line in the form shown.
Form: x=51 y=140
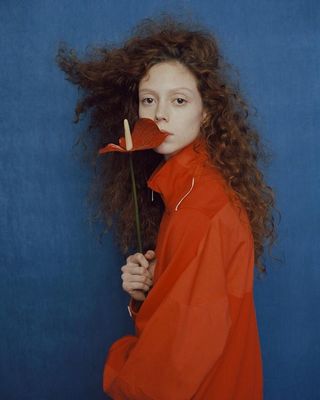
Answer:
x=196 y=332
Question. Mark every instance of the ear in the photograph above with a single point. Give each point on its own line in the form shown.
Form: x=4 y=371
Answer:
x=205 y=117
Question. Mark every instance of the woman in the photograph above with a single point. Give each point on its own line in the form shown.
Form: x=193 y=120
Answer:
x=206 y=214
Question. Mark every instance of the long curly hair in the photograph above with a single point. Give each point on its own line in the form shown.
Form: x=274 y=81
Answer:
x=109 y=77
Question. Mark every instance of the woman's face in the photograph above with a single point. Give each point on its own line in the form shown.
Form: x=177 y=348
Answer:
x=168 y=95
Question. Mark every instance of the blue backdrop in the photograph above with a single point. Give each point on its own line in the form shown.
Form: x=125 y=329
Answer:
x=62 y=303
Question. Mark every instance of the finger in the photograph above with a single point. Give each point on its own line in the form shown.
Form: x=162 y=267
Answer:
x=128 y=286
x=130 y=260
x=137 y=278
x=142 y=260
x=150 y=254
x=134 y=269
x=138 y=258
x=143 y=279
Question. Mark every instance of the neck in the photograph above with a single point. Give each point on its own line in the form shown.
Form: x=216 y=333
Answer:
x=167 y=156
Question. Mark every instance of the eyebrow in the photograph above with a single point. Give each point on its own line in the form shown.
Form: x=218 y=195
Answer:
x=170 y=91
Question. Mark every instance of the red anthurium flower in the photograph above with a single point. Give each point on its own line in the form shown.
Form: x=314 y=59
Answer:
x=145 y=135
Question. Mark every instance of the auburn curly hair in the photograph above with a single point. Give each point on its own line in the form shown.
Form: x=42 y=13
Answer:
x=109 y=77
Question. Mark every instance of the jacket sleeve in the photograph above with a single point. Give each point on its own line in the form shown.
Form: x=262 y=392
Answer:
x=186 y=336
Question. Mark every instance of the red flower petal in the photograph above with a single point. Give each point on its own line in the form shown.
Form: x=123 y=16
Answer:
x=145 y=135
x=112 y=147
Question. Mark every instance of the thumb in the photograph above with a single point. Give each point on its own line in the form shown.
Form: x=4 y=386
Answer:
x=150 y=254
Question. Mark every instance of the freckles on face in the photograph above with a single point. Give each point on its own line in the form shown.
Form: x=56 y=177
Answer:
x=169 y=95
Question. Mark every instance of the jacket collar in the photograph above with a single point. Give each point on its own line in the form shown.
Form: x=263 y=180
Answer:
x=176 y=177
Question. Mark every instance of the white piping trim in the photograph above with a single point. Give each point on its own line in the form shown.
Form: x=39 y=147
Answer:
x=185 y=195
x=152 y=195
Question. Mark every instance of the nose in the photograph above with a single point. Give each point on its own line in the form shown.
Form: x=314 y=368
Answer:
x=161 y=112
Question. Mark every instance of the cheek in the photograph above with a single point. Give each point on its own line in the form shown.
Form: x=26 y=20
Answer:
x=144 y=113
x=195 y=119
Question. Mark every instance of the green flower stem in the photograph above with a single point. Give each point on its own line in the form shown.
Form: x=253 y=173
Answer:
x=135 y=203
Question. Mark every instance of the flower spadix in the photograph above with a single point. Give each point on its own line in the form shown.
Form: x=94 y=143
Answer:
x=127 y=135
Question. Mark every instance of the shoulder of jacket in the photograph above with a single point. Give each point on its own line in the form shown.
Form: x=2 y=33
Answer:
x=206 y=194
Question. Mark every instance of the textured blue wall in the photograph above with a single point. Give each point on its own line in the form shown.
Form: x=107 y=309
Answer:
x=61 y=302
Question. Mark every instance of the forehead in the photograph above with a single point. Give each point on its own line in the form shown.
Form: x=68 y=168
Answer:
x=169 y=73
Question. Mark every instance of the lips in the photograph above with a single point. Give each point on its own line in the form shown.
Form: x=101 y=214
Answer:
x=164 y=130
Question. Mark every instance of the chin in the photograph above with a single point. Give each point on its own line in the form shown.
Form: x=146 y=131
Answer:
x=163 y=149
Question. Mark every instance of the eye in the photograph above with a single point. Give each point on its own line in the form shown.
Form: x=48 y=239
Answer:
x=147 y=100
x=180 y=101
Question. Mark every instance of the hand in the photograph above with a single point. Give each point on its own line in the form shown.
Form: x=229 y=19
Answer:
x=138 y=273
